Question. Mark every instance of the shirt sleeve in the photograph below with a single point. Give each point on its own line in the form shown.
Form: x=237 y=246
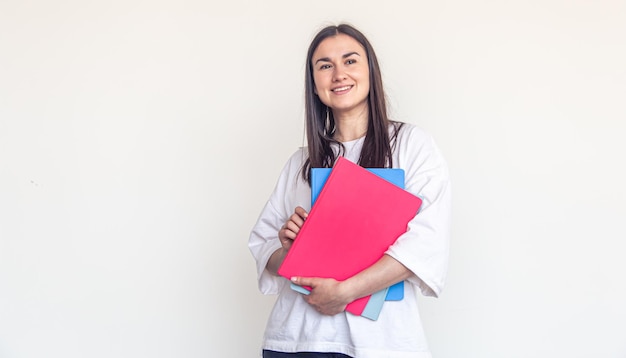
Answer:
x=263 y=242
x=424 y=248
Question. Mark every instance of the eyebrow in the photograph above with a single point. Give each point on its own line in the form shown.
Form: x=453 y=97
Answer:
x=326 y=59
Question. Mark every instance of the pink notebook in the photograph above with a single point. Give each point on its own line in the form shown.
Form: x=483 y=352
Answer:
x=355 y=219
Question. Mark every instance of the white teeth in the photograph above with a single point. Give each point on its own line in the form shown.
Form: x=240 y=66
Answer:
x=341 y=89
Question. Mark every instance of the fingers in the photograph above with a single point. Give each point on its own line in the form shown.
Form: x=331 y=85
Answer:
x=301 y=212
x=286 y=237
x=296 y=220
x=325 y=296
x=293 y=226
x=304 y=281
x=288 y=233
x=290 y=230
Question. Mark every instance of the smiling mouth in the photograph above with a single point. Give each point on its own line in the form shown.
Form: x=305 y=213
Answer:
x=341 y=89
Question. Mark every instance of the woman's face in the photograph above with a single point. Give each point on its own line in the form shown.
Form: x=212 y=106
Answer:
x=341 y=74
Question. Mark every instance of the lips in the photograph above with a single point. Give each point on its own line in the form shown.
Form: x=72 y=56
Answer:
x=342 y=89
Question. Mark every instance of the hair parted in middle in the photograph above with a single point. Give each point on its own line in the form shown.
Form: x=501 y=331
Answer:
x=320 y=122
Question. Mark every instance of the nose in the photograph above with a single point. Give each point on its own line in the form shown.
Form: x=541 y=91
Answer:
x=339 y=74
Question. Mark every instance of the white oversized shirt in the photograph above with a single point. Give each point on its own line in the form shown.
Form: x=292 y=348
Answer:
x=294 y=326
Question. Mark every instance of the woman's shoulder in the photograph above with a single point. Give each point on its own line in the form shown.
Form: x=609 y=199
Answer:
x=295 y=161
x=409 y=131
x=299 y=156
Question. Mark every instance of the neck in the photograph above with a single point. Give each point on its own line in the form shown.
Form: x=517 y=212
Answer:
x=349 y=127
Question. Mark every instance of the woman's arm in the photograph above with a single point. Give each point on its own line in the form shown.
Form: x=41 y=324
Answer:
x=420 y=255
x=330 y=296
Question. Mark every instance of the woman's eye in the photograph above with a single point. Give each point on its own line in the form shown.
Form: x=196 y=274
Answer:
x=350 y=61
x=323 y=67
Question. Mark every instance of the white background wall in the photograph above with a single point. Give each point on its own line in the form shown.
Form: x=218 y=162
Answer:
x=139 y=141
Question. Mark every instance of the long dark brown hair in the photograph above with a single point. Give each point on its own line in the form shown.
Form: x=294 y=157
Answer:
x=320 y=123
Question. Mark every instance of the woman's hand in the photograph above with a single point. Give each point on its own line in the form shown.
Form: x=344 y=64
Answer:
x=328 y=296
x=287 y=234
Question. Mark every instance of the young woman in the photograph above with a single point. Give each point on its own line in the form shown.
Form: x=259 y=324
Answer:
x=346 y=116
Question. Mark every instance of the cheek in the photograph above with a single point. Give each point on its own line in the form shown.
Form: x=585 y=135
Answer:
x=319 y=90
x=365 y=80
x=317 y=80
x=365 y=76
x=322 y=78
